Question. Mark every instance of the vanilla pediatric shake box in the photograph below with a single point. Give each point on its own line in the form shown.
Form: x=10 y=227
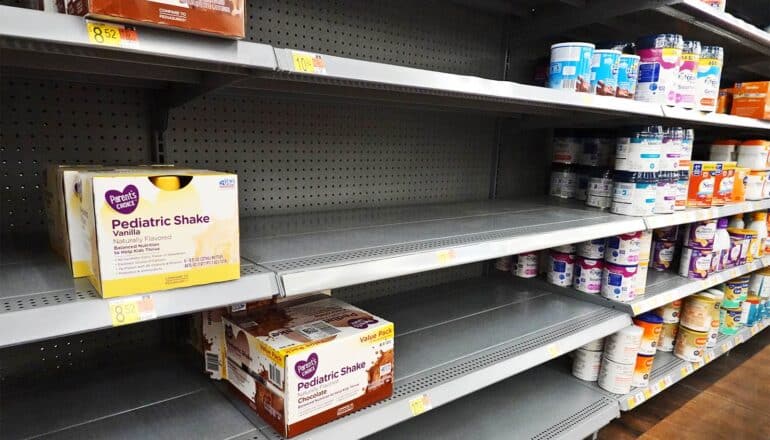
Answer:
x=152 y=230
x=300 y=364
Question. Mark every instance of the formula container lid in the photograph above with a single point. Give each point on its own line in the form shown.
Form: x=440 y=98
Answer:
x=635 y=176
x=623 y=46
x=660 y=41
x=650 y=317
x=691 y=46
x=608 y=51
x=744 y=232
x=573 y=43
x=718 y=294
x=712 y=52
x=759 y=142
x=722 y=223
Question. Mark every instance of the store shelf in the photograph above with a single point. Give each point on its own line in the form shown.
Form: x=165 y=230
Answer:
x=27 y=34
x=455 y=339
x=320 y=251
x=721 y=23
x=41 y=300
x=668 y=369
x=154 y=395
x=697 y=214
x=542 y=403
x=714 y=119
x=665 y=287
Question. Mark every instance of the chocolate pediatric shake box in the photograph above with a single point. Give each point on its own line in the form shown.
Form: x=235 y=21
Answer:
x=300 y=364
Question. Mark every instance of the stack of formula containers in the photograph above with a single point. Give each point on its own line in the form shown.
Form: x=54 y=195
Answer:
x=750 y=162
x=615 y=367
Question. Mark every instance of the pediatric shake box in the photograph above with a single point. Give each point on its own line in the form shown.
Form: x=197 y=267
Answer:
x=752 y=100
x=150 y=230
x=300 y=364
x=62 y=206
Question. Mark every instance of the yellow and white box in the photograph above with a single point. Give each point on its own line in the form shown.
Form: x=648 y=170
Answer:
x=152 y=230
x=303 y=363
x=66 y=232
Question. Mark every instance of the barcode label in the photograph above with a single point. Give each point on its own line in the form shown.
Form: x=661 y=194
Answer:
x=569 y=84
x=274 y=374
x=212 y=362
x=317 y=330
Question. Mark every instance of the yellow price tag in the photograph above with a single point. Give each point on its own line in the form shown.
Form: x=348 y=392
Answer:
x=636 y=308
x=445 y=257
x=647 y=393
x=308 y=62
x=662 y=384
x=725 y=347
x=133 y=309
x=419 y=404
x=683 y=372
x=631 y=403
x=108 y=34
x=554 y=350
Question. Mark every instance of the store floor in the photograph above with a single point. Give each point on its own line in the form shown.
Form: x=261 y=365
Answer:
x=727 y=399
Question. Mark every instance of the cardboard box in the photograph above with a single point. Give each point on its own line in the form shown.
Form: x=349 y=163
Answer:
x=752 y=100
x=224 y=18
x=303 y=363
x=66 y=231
x=152 y=230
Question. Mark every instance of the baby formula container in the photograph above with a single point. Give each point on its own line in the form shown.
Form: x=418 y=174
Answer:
x=595 y=345
x=623 y=346
x=600 y=188
x=753 y=154
x=593 y=249
x=660 y=56
x=571 y=66
x=688 y=75
x=668 y=337
x=634 y=193
x=697 y=312
x=614 y=377
x=597 y=151
x=723 y=184
x=623 y=249
x=700 y=235
x=525 y=265
x=756 y=182
x=695 y=264
x=588 y=275
x=671 y=148
x=641 y=151
x=665 y=194
x=628 y=72
x=682 y=188
x=652 y=325
x=586 y=364
x=618 y=282
x=670 y=313
x=709 y=75
x=667 y=233
x=735 y=292
x=567 y=147
x=702 y=180
x=730 y=320
x=690 y=344
x=563 y=181
x=663 y=255
x=604 y=71
x=724 y=150
x=561 y=268
x=642 y=370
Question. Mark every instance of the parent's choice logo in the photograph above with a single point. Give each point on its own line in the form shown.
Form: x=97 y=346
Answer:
x=124 y=202
x=307 y=368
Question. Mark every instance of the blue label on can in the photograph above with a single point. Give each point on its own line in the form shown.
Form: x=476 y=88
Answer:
x=604 y=72
x=570 y=68
x=559 y=266
x=649 y=72
x=614 y=279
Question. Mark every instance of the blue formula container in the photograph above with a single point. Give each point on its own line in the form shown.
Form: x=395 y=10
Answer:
x=628 y=71
x=571 y=66
x=604 y=71
x=634 y=193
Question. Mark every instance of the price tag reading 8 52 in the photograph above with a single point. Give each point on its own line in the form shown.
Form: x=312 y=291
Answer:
x=130 y=310
x=116 y=35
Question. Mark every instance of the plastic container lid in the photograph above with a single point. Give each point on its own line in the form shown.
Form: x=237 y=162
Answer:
x=723 y=222
x=612 y=51
x=660 y=41
x=691 y=46
x=759 y=142
x=725 y=143
x=573 y=43
x=650 y=317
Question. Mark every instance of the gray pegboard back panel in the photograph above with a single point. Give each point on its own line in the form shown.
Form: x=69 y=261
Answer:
x=524 y=167
x=298 y=156
x=45 y=122
x=426 y=34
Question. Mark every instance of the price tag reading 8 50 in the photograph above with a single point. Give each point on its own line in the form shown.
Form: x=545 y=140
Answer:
x=130 y=310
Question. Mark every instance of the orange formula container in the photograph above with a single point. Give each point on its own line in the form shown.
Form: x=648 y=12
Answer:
x=724 y=183
x=702 y=179
x=652 y=325
x=740 y=180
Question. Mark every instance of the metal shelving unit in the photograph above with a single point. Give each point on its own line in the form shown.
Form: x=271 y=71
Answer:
x=541 y=403
x=665 y=287
x=41 y=300
x=668 y=369
x=472 y=346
